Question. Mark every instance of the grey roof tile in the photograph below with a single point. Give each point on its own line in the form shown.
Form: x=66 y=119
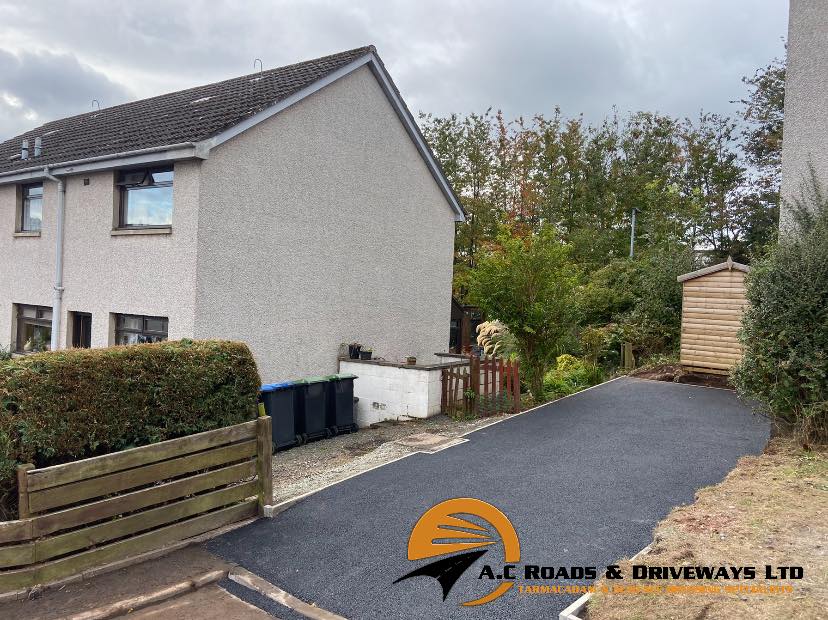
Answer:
x=184 y=116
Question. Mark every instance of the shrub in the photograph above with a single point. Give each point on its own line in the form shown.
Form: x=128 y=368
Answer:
x=529 y=284
x=571 y=375
x=67 y=405
x=785 y=329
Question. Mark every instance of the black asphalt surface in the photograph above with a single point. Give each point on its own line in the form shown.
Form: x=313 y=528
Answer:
x=584 y=480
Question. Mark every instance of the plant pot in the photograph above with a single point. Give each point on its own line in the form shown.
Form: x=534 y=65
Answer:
x=353 y=351
x=411 y=360
x=365 y=355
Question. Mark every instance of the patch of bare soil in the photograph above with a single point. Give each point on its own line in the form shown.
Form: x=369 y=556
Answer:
x=676 y=374
x=772 y=509
x=310 y=467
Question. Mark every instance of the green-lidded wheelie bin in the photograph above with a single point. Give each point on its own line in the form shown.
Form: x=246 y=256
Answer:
x=341 y=403
x=282 y=403
x=314 y=407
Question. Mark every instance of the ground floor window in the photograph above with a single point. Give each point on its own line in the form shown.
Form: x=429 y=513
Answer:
x=34 y=328
x=136 y=329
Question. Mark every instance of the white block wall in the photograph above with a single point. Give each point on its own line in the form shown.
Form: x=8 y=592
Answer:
x=393 y=392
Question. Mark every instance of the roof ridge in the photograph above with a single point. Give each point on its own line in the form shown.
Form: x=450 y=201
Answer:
x=46 y=126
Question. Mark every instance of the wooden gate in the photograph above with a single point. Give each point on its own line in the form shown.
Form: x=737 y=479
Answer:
x=486 y=386
x=96 y=511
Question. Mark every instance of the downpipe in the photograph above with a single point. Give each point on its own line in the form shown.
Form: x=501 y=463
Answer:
x=57 y=299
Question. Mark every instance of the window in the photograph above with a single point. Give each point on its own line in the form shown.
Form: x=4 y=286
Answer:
x=146 y=198
x=34 y=328
x=134 y=329
x=81 y=325
x=31 y=209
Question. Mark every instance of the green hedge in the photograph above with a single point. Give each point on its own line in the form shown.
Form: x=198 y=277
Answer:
x=67 y=405
x=785 y=328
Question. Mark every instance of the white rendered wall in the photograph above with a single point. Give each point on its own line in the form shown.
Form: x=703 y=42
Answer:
x=393 y=393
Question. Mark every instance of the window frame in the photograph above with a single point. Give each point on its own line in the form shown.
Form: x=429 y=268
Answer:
x=161 y=336
x=123 y=197
x=38 y=320
x=25 y=203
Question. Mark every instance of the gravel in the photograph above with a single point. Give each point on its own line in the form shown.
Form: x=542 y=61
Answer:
x=310 y=467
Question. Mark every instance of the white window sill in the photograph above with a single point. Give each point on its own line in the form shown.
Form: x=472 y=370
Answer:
x=27 y=233
x=161 y=230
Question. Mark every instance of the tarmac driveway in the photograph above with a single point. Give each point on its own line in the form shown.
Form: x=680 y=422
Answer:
x=583 y=480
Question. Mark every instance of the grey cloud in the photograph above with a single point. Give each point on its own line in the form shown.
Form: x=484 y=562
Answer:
x=38 y=87
x=445 y=55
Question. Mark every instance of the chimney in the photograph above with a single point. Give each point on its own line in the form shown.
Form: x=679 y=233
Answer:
x=37 y=147
x=24 y=151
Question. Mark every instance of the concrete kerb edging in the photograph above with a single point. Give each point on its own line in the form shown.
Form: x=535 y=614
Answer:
x=129 y=605
x=575 y=609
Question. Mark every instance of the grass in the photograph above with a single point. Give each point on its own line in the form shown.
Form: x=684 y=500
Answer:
x=771 y=509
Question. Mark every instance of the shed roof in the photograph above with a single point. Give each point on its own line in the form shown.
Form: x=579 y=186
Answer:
x=728 y=264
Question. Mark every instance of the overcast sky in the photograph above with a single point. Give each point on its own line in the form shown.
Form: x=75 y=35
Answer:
x=525 y=57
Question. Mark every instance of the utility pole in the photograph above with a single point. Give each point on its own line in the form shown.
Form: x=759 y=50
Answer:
x=632 y=232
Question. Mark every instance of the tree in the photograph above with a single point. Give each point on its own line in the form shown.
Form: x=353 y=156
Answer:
x=764 y=112
x=528 y=283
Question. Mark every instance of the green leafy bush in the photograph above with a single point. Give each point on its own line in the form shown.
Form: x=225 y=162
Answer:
x=571 y=375
x=785 y=329
x=638 y=300
x=67 y=405
x=528 y=283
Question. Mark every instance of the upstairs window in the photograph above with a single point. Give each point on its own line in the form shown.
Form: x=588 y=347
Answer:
x=136 y=329
x=34 y=328
x=146 y=198
x=31 y=208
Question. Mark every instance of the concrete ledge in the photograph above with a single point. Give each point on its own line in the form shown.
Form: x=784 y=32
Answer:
x=162 y=230
x=27 y=233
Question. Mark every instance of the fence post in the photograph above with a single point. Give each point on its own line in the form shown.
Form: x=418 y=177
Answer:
x=23 y=490
x=444 y=391
x=516 y=385
x=264 y=461
x=474 y=367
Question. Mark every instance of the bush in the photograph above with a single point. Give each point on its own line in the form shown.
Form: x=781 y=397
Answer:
x=67 y=405
x=571 y=375
x=785 y=329
x=528 y=283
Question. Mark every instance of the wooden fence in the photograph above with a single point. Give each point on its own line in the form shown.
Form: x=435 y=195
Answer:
x=486 y=386
x=93 y=512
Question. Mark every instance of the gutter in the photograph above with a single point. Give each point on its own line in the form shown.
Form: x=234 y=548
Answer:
x=182 y=150
x=57 y=300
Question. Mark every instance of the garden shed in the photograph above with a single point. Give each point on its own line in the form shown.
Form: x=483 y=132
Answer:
x=713 y=300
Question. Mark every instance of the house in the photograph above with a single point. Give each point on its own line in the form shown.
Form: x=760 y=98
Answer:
x=294 y=209
x=806 y=100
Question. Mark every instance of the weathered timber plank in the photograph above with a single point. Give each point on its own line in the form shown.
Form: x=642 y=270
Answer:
x=75 y=564
x=17 y=555
x=134 y=457
x=43 y=525
x=53 y=546
x=40 y=501
x=13 y=531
